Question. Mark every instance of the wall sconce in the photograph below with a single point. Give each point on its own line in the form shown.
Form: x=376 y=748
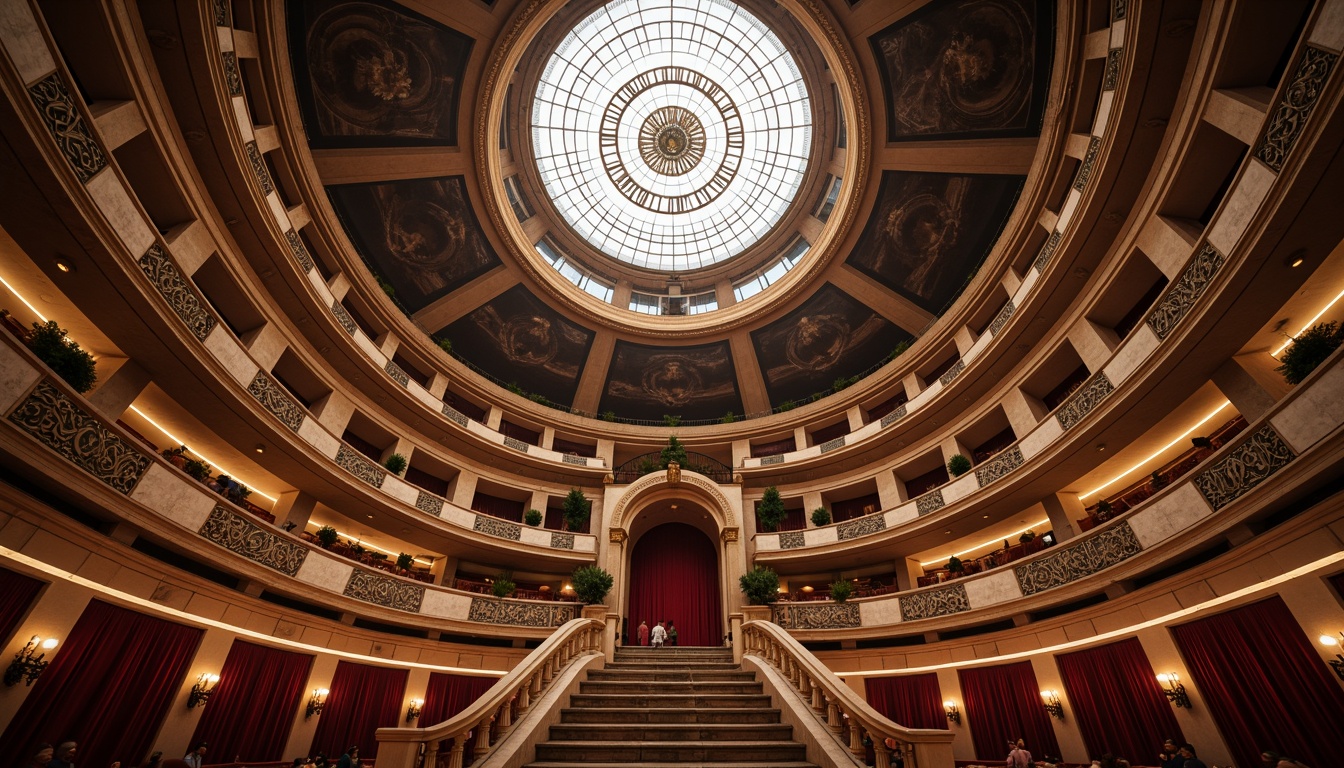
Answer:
x=315 y=704
x=1174 y=690
x=413 y=711
x=953 y=716
x=200 y=692
x=1336 y=663
x=1052 y=704
x=28 y=664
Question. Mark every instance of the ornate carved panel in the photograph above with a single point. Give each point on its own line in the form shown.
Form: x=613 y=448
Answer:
x=175 y=289
x=853 y=529
x=494 y=611
x=831 y=445
x=1177 y=301
x=397 y=374
x=496 y=527
x=516 y=444
x=1118 y=9
x=343 y=317
x=1246 y=466
x=67 y=126
x=275 y=399
x=1089 y=160
x=575 y=460
x=455 y=415
x=241 y=536
x=221 y=13
x=792 y=540
x=1074 y=561
x=952 y=373
x=1299 y=99
x=429 y=503
x=562 y=540
x=231 y=76
x=929 y=502
x=776 y=459
x=385 y=591
x=935 y=602
x=819 y=616
x=1084 y=400
x=1002 y=318
x=998 y=465
x=60 y=424
x=1112 y=76
x=354 y=463
x=1047 y=251
x=259 y=168
x=299 y=250
x=894 y=416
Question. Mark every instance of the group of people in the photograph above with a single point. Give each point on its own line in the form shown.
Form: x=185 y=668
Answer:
x=1173 y=755
x=659 y=635
x=63 y=756
x=349 y=759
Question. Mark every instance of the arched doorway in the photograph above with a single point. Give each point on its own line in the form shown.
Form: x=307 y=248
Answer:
x=674 y=574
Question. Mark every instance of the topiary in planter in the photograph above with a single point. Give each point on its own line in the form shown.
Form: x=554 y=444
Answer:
x=396 y=464
x=591 y=584
x=199 y=470
x=761 y=585
x=63 y=356
x=770 y=512
x=532 y=517
x=405 y=561
x=326 y=536
x=576 y=508
x=674 y=451
x=841 y=590
x=821 y=517
x=503 y=585
x=958 y=465
x=1308 y=350
x=954 y=565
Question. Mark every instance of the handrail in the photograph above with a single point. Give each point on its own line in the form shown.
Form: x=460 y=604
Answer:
x=495 y=712
x=839 y=708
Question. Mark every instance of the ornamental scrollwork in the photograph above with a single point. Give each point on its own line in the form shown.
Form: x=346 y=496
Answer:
x=1088 y=556
x=952 y=373
x=792 y=540
x=299 y=251
x=1193 y=282
x=831 y=445
x=891 y=418
x=61 y=116
x=386 y=591
x=61 y=425
x=576 y=460
x=1112 y=77
x=998 y=466
x=231 y=76
x=1047 y=251
x=175 y=289
x=1291 y=113
x=1002 y=318
x=1246 y=466
x=455 y=415
x=819 y=616
x=853 y=529
x=343 y=317
x=935 y=602
x=1084 y=400
x=243 y=537
x=562 y=541
x=496 y=527
x=776 y=459
x=276 y=400
x=1118 y=9
x=259 y=167
x=1089 y=162
x=221 y=13
x=398 y=375
x=354 y=463
x=929 y=502
x=429 y=503
x=521 y=614
x=516 y=444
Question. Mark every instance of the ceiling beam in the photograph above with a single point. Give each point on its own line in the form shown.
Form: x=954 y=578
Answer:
x=996 y=156
x=352 y=166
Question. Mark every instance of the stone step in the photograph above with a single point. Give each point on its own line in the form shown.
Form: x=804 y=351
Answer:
x=670 y=688
x=715 y=764
x=678 y=651
x=690 y=666
x=660 y=674
x=642 y=700
x=618 y=715
x=771 y=752
x=626 y=732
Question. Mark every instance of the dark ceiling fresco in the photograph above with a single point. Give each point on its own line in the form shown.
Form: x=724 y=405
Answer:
x=831 y=336
x=930 y=231
x=966 y=68
x=520 y=340
x=375 y=74
x=691 y=382
x=419 y=235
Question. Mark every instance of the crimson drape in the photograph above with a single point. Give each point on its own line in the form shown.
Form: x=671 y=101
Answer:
x=361 y=699
x=1003 y=704
x=1265 y=685
x=914 y=701
x=250 y=714
x=109 y=686
x=1117 y=702
x=17 y=592
x=449 y=694
x=674 y=574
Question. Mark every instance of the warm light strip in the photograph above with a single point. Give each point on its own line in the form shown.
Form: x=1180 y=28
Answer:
x=1156 y=454
x=1310 y=323
x=1323 y=563
x=40 y=316
x=48 y=570
x=992 y=542
x=180 y=441
x=371 y=546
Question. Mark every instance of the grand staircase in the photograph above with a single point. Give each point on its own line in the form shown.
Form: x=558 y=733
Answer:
x=671 y=707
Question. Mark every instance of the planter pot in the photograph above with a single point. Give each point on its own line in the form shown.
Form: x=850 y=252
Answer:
x=598 y=612
x=756 y=612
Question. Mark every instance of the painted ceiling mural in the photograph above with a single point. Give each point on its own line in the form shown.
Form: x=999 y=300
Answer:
x=928 y=232
x=373 y=73
x=691 y=382
x=421 y=235
x=966 y=68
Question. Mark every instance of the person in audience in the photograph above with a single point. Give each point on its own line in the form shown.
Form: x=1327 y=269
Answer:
x=42 y=754
x=154 y=760
x=319 y=760
x=671 y=633
x=1191 y=761
x=1019 y=757
x=350 y=759
x=1170 y=757
x=65 y=756
x=659 y=635
x=643 y=633
x=196 y=757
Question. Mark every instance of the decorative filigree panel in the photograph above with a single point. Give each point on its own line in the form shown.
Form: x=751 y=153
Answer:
x=933 y=500
x=385 y=591
x=1070 y=563
x=516 y=444
x=455 y=415
x=1081 y=178
x=1047 y=251
x=520 y=614
x=831 y=445
x=221 y=13
x=998 y=466
x=354 y=463
x=429 y=503
x=259 y=168
x=496 y=527
x=1246 y=466
x=177 y=291
x=819 y=616
x=935 y=602
x=1002 y=318
x=952 y=373
x=397 y=374
x=1112 y=76
x=1291 y=113
x=792 y=540
x=1177 y=301
x=299 y=251
x=575 y=460
x=241 y=536
x=67 y=126
x=853 y=529
x=1118 y=9
x=776 y=459
x=275 y=399
x=347 y=322
x=895 y=416
x=231 y=76
x=1084 y=400
x=562 y=540
x=56 y=420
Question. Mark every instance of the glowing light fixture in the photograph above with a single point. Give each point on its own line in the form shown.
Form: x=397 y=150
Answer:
x=1050 y=699
x=1310 y=323
x=30 y=662
x=201 y=691
x=953 y=715
x=316 y=702
x=1174 y=690
x=1155 y=454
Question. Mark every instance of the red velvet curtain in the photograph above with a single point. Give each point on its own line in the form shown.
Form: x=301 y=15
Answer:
x=1117 y=702
x=1003 y=704
x=249 y=716
x=674 y=575
x=1265 y=685
x=17 y=592
x=449 y=694
x=914 y=701
x=362 y=699
x=109 y=686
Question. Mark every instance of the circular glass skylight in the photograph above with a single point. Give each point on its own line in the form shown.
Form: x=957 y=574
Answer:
x=671 y=134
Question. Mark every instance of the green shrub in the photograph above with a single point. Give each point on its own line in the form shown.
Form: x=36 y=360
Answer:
x=405 y=561
x=841 y=590
x=607 y=416
x=728 y=418
x=820 y=517
x=1026 y=536
x=171 y=453
x=576 y=508
x=1103 y=510
x=897 y=351
x=844 y=382
x=1308 y=350
x=671 y=421
x=541 y=399
x=446 y=345
x=1158 y=481
x=591 y=584
x=327 y=536
x=198 y=470
x=396 y=464
x=958 y=465
x=761 y=585
x=770 y=512
x=532 y=518
x=674 y=451
x=787 y=405
x=954 y=565
x=63 y=356
x=503 y=585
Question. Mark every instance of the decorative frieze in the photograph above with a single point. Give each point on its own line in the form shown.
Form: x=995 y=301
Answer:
x=231 y=77
x=276 y=400
x=1299 y=98
x=516 y=444
x=817 y=616
x=397 y=374
x=933 y=500
x=1094 y=553
x=485 y=610
x=896 y=415
x=935 y=602
x=259 y=168
x=776 y=459
x=1080 y=179
x=831 y=445
x=1244 y=467
x=67 y=126
x=1082 y=402
x=1001 y=319
x=429 y=503
x=243 y=537
x=221 y=13
x=1177 y=301
x=792 y=540
x=299 y=251
x=1112 y=76
x=386 y=591
x=998 y=466
x=63 y=426
x=343 y=317
x=1118 y=8
x=853 y=529
x=496 y=527
x=455 y=415
x=1047 y=251
x=562 y=541
x=578 y=461
x=353 y=462
x=952 y=373
x=175 y=289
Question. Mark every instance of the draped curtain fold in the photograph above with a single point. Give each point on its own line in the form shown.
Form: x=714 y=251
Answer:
x=17 y=592
x=109 y=686
x=1264 y=683
x=674 y=574
x=1116 y=700
x=251 y=712
x=914 y=701
x=1003 y=704
x=448 y=695
x=361 y=699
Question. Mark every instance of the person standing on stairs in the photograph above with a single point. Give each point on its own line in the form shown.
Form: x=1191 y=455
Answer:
x=643 y=633
x=671 y=633
x=659 y=635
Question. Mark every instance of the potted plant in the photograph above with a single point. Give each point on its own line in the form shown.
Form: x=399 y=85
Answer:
x=405 y=561
x=503 y=585
x=532 y=517
x=176 y=456
x=955 y=566
x=63 y=356
x=820 y=517
x=607 y=416
x=1026 y=536
x=1104 y=510
x=1201 y=442
x=446 y=345
x=761 y=585
x=576 y=509
x=770 y=512
x=1308 y=350
x=728 y=418
x=670 y=420
x=396 y=464
x=1158 y=481
x=841 y=590
x=327 y=536
x=958 y=465
x=591 y=584
x=674 y=451
x=199 y=470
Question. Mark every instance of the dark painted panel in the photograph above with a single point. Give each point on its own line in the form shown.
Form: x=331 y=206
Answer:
x=691 y=382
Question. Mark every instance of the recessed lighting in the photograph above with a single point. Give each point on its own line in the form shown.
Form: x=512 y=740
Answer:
x=674 y=506
x=1296 y=258
x=369 y=516
x=947 y=532
x=1296 y=262
x=64 y=264
x=260 y=448
x=985 y=516
x=1101 y=447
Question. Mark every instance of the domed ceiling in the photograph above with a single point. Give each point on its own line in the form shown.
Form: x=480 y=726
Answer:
x=721 y=130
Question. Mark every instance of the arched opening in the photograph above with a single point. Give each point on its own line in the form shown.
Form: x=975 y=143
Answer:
x=674 y=575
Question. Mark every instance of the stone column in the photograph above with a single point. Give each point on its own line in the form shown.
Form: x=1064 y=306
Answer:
x=1063 y=509
x=119 y=389
x=1251 y=383
x=294 y=507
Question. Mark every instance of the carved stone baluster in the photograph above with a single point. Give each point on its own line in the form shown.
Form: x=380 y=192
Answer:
x=818 y=700
x=881 y=752
x=483 y=737
x=833 y=716
x=856 y=739
x=506 y=715
x=805 y=684
x=547 y=669
x=455 y=753
x=534 y=686
x=524 y=694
